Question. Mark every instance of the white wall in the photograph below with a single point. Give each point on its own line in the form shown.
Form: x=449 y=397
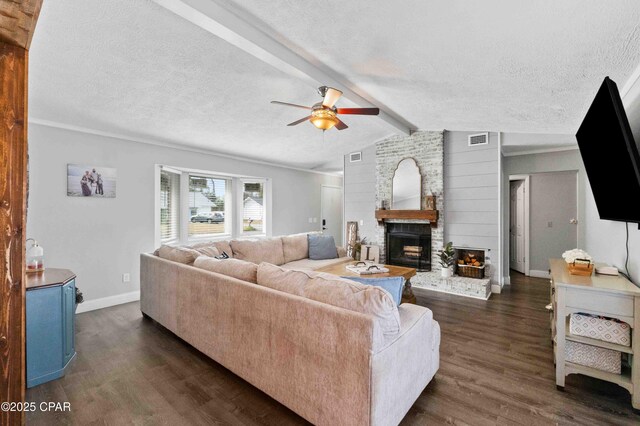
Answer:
x=100 y=239
x=603 y=239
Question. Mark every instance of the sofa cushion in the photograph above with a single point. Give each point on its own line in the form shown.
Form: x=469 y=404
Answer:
x=205 y=250
x=235 y=268
x=295 y=247
x=178 y=254
x=313 y=265
x=394 y=285
x=336 y=291
x=322 y=247
x=256 y=251
x=220 y=246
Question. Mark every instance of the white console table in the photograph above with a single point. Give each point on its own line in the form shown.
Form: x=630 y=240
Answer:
x=608 y=296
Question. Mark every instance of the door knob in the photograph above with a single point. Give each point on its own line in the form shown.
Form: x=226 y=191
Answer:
x=573 y=221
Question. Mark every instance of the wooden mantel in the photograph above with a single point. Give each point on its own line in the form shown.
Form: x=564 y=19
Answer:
x=430 y=215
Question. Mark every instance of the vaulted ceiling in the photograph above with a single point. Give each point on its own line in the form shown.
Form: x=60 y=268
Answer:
x=134 y=68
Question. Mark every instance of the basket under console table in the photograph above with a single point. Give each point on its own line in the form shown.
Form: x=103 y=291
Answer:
x=601 y=295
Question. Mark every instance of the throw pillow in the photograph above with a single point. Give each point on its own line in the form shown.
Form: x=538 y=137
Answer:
x=295 y=247
x=322 y=247
x=394 y=285
x=245 y=271
x=178 y=254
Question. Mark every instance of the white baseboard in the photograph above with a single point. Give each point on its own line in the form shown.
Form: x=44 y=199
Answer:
x=495 y=288
x=105 y=302
x=506 y=280
x=539 y=274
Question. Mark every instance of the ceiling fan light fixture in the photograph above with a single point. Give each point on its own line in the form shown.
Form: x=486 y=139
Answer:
x=323 y=119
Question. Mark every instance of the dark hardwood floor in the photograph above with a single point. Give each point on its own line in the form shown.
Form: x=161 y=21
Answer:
x=496 y=368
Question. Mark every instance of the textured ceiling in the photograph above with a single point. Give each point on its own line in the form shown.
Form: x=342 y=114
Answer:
x=502 y=65
x=133 y=68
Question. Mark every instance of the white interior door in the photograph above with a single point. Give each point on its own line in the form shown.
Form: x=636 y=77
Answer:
x=512 y=224
x=517 y=234
x=331 y=203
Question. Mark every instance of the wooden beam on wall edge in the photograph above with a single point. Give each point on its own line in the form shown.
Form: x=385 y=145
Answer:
x=13 y=178
x=18 y=20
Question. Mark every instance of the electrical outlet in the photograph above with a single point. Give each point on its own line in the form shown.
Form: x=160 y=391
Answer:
x=315 y=220
x=361 y=222
x=549 y=224
x=310 y=220
x=126 y=277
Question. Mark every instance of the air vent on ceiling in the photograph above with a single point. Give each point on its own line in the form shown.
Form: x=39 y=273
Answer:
x=355 y=157
x=479 y=139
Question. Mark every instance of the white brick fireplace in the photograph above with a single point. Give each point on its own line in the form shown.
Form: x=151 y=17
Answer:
x=427 y=149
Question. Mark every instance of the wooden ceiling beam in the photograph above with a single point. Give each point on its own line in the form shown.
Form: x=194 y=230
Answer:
x=18 y=21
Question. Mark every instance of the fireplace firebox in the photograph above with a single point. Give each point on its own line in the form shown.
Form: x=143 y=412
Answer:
x=408 y=244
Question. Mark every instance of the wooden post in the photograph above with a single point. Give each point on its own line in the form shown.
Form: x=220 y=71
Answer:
x=17 y=22
x=13 y=177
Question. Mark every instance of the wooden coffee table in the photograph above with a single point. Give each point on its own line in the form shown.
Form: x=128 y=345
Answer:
x=394 y=271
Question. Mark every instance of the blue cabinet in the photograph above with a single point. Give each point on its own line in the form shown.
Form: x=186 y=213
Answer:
x=50 y=316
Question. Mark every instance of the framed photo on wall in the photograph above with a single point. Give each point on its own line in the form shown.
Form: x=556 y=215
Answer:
x=91 y=181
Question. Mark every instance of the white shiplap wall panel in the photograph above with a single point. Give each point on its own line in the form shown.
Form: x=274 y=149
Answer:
x=473 y=169
x=360 y=192
x=464 y=205
x=474 y=156
x=466 y=193
x=471 y=177
x=474 y=182
x=486 y=218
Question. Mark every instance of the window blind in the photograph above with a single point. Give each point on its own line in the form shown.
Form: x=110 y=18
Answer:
x=169 y=206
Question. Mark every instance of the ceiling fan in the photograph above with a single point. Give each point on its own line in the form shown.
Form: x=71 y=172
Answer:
x=324 y=114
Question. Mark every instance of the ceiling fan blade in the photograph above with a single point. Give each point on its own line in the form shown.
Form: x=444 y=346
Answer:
x=359 y=111
x=331 y=96
x=302 y=120
x=340 y=124
x=288 y=104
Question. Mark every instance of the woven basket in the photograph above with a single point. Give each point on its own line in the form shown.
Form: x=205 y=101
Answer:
x=471 y=271
x=581 y=267
x=594 y=357
x=605 y=329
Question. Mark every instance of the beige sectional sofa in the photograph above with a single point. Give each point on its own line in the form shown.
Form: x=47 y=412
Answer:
x=334 y=351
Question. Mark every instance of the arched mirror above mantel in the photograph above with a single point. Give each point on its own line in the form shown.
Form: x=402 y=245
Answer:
x=406 y=190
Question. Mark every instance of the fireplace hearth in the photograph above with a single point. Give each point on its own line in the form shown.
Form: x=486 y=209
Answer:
x=409 y=244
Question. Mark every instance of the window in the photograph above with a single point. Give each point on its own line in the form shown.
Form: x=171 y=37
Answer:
x=207 y=207
x=169 y=206
x=196 y=205
x=253 y=211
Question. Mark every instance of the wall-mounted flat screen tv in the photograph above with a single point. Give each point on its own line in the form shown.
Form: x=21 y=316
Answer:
x=610 y=156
